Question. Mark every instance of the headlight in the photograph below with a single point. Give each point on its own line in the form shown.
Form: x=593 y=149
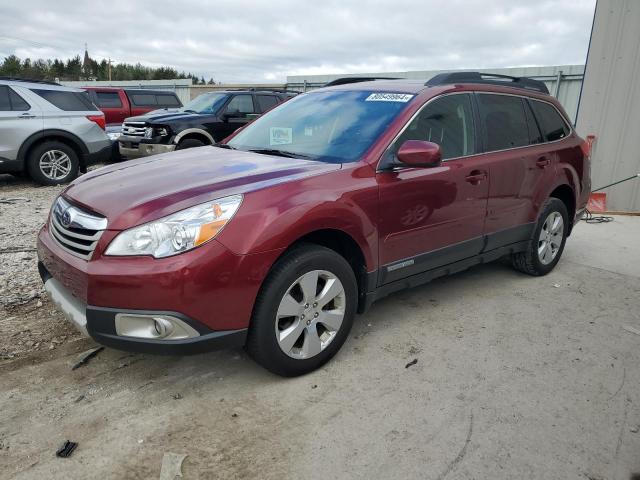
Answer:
x=148 y=132
x=113 y=135
x=176 y=233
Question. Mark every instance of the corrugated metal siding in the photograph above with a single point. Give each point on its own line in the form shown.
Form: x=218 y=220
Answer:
x=182 y=87
x=568 y=94
x=610 y=104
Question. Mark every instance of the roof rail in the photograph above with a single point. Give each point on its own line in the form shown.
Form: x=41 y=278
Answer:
x=254 y=89
x=347 y=80
x=29 y=80
x=488 y=78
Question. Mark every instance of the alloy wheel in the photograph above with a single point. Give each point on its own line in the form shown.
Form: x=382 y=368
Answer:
x=550 y=239
x=310 y=314
x=55 y=164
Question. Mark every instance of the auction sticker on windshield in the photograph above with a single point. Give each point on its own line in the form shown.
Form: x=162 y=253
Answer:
x=280 y=136
x=389 y=97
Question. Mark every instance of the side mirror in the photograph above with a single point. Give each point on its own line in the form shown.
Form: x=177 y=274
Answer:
x=229 y=115
x=418 y=153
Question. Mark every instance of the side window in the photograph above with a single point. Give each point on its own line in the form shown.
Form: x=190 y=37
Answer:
x=535 y=136
x=265 y=102
x=241 y=104
x=143 y=99
x=447 y=121
x=552 y=124
x=108 y=99
x=504 y=121
x=5 y=104
x=167 y=101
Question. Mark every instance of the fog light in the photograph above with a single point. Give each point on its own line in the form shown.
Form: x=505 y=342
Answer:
x=154 y=327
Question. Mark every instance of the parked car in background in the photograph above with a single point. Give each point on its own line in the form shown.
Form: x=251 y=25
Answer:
x=49 y=131
x=205 y=120
x=278 y=236
x=120 y=103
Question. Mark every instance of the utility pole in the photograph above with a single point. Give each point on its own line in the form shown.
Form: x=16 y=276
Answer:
x=109 y=69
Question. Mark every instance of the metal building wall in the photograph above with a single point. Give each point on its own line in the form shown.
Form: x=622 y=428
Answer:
x=610 y=103
x=182 y=87
x=568 y=94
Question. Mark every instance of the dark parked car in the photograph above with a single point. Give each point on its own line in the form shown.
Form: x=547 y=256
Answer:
x=120 y=103
x=312 y=212
x=207 y=119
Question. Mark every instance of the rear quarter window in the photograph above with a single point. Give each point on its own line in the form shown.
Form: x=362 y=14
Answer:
x=551 y=122
x=67 y=101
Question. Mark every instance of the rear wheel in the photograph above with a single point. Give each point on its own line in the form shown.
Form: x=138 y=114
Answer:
x=52 y=163
x=190 y=143
x=547 y=244
x=304 y=311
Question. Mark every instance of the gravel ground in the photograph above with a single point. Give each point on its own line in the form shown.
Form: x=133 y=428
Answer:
x=26 y=313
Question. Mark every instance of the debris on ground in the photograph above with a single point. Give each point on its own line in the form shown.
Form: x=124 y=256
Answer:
x=177 y=396
x=314 y=386
x=234 y=415
x=556 y=285
x=171 y=466
x=84 y=357
x=412 y=362
x=10 y=201
x=79 y=399
x=635 y=429
x=631 y=329
x=66 y=449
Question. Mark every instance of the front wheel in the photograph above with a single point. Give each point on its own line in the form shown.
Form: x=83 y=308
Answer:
x=303 y=312
x=547 y=244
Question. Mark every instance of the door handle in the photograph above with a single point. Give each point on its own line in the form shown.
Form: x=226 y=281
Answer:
x=542 y=162
x=476 y=176
x=26 y=115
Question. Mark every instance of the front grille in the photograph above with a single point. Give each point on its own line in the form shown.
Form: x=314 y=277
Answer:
x=74 y=230
x=133 y=129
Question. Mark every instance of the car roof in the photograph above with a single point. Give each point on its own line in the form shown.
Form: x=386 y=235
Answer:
x=38 y=85
x=400 y=85
x=127 y=89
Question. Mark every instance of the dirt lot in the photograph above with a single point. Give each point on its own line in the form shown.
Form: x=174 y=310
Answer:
x=516 y=377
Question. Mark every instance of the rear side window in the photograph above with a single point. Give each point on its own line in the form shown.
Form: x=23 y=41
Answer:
x=265 y=102
x=552 y=124
x=241 y=104
x=447 y=121
x=108 y=99
x=504 y=120
x=167 y=101
x=143 y=99
x=67 y=101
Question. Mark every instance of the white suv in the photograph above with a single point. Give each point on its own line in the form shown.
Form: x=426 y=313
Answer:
x=49 y=131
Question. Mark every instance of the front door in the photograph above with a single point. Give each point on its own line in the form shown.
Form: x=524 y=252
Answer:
x=18 y=121
x=238 y=112
x=430 y=217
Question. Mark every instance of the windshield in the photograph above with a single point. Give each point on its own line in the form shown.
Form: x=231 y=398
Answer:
x=333 y=126
x=206 y=103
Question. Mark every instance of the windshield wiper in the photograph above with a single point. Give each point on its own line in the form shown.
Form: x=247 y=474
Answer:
x=189 y=111
x=224 y=145
x=279 y=153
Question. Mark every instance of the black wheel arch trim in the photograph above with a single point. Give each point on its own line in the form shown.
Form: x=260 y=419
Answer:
x=48 y=133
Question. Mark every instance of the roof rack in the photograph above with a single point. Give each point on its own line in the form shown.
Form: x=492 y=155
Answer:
x=258 y=89
x=29 y=80
x=347 y=80
x=488 y=78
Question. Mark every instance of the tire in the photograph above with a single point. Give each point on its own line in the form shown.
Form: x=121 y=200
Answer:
x=548 y=240
x=190 y=143
x=298 y=352
x=52 y=163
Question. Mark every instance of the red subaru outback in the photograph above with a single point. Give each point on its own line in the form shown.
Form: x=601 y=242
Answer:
x=275 y=239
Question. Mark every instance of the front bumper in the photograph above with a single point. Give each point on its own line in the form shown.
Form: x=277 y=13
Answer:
x=134 y=148
x=100 y=324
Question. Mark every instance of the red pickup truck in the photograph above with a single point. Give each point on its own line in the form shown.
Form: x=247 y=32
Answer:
x=120 y=103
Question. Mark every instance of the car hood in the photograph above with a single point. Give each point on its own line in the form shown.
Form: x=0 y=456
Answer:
x=164 y=115
x=138 y=191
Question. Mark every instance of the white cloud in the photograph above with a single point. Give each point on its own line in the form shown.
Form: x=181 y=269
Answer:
x=240 y=40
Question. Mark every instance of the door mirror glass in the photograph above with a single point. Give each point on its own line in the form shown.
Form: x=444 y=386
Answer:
x=420 y=153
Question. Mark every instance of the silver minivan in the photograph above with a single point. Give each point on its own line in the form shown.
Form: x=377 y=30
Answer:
x=48 y=131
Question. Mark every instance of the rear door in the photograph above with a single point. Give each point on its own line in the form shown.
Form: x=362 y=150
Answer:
x=18 y=121
x=266 y=102
x=430 y=217
x=519 y=165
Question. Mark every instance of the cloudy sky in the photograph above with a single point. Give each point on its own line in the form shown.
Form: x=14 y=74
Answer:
x=262 y=41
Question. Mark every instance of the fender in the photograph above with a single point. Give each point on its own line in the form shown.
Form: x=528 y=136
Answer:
x=199 y=131
x=50 y=132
